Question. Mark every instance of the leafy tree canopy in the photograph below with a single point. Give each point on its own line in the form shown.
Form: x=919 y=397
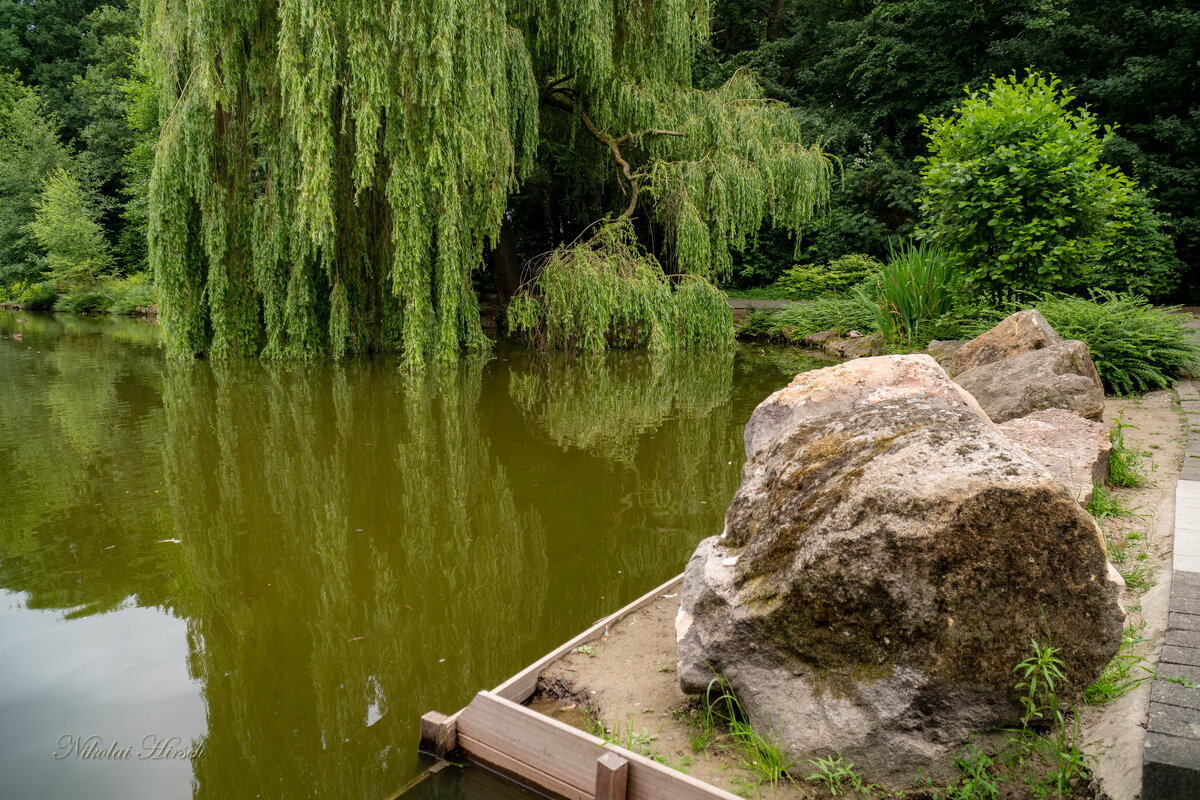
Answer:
x=29 y=151
x=329 y=172
x=869 y=69
x=65 y=226
x=1014 y=189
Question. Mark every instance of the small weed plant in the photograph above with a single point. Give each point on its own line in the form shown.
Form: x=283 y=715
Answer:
x=1125 y=672
x=837 y=775
x=1126 y=467
x=1039 y=678
x=1107 y=504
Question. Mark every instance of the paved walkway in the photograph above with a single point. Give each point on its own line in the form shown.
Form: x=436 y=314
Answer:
x=1171 y=759
x=744 y=302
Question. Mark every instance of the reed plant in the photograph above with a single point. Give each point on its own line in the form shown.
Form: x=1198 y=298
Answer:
x=913 y=293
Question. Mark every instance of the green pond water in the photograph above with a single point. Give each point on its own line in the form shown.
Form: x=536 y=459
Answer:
x=249 y=580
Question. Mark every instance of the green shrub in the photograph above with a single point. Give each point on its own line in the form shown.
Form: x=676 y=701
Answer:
x=39 y=297
x=841 y=314
x=757 y=325
x=131 y=293
x=913 y=295
x=805 y=281
x=85 y=301
x=1139 y=257
x=1015 y=190
x=1135 y=346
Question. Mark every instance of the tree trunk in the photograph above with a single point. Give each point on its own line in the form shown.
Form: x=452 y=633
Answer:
x=505 y=264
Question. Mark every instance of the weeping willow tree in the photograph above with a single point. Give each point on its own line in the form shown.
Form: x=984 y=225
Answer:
x=330 y=172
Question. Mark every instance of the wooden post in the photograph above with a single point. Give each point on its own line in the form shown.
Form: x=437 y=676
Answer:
x=439 y=734
x=612 y=774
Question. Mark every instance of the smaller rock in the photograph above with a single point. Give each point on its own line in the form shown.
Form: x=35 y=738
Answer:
x=943 y=350
x=1059 y=376
x=819 y=338
x=1073 y=449
x=860 y=347
x=1019 y=333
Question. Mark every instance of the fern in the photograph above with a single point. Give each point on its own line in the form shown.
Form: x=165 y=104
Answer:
x=1136 y=347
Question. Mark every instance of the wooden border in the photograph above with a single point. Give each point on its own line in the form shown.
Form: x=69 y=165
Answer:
x=562 y=759
x=520 y=687
x=497 y=731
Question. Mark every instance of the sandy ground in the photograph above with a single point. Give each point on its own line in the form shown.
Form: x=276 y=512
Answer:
x=627 y=680
x=1113 y=733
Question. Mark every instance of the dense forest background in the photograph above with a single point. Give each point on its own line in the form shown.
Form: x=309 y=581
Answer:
x=78 y=118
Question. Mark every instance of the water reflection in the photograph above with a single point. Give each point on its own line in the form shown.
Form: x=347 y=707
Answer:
x=604 y=403
x=347 y=532
x=346 y=547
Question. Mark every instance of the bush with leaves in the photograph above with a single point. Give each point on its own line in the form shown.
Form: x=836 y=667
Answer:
x=1136 y=347
x=84 y=301
x=1139 y=258
x=38 y=297
x=805 y=281
x=1015 y=190
x=131 y=293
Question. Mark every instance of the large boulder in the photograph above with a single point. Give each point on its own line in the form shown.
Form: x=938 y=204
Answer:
x=1075 y=450
x=1060 y=375
x=1018 y=333
x=885 y=564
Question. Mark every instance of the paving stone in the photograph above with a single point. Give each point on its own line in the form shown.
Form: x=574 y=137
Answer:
x=1172 y=694
x=1171 y=768
x=1186 y=562
x=1183 y=638
x=1174 y=721
x=1168 y=671
x=1169 y=782
x=1171 y=758
x=1185 y=605
x=1185 y=584
x=1180 y=655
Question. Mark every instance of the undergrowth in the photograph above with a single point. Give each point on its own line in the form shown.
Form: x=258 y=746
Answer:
x=1136 y=347
x=1126 y=466
x=792 y=324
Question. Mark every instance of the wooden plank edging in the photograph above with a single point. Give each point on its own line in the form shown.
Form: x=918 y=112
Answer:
x=563 y=759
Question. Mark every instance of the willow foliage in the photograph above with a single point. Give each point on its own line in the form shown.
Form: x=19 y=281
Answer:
x=329 y=172
x=607 y=291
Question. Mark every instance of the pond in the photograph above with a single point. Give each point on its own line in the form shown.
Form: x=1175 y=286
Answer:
x=249 y=580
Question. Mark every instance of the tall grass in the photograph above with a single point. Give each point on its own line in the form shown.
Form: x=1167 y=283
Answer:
x=761 y=754
x=913 y=294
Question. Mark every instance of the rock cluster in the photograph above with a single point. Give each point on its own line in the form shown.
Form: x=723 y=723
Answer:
x=1022 y=365
x=886 y=561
